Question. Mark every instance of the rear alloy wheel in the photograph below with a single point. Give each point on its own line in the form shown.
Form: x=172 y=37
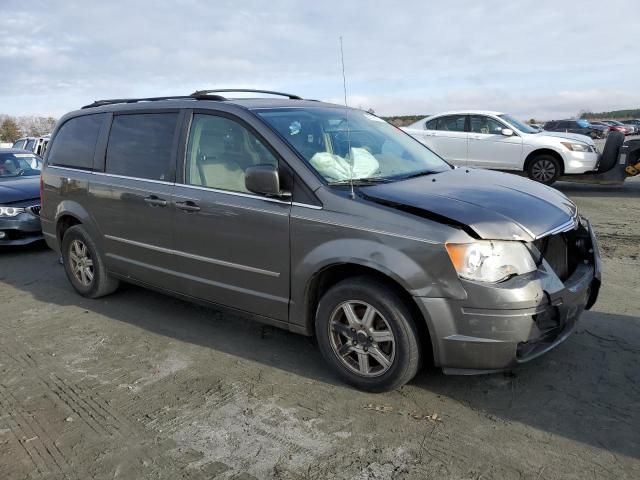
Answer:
x=544 y=169
x=83 y=264
x=366 y=332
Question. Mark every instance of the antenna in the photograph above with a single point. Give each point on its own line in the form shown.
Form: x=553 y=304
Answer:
x=346 y=112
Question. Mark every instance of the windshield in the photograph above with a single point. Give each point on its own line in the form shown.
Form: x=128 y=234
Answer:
x=349 y=145
x=523 y=127
x=20 y=144
x=19 y=164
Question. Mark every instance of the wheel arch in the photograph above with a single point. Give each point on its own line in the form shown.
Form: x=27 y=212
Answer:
x=544 y=151
x=69 y=213
x=331 y=274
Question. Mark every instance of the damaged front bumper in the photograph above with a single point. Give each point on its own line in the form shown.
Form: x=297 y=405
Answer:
x=501 y=325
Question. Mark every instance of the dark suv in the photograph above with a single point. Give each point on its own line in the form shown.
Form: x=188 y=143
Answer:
x=580 y=126
x=322 y=220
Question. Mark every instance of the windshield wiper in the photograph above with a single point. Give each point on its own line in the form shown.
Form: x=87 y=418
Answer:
x=361 y=181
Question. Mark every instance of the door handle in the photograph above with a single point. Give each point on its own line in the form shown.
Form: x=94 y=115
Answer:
x=188 y=206
x=155 y=201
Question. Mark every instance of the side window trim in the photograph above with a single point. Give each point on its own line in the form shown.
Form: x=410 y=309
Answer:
x=496 y=120
x=464 y=127
x=101 y=145
x=174 y=144
x=56 y=133
x=181 y=173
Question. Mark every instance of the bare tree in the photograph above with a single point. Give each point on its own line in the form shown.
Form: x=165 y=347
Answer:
x=9 y=130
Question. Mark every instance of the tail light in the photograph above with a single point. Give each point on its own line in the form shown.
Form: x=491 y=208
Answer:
x=41 y=189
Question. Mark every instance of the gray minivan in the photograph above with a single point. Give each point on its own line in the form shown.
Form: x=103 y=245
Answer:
x=322 y=220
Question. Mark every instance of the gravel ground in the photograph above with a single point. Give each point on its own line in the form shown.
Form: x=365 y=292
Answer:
x=140 y=385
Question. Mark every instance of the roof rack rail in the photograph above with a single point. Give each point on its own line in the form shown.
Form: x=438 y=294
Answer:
x=206 y=94
x=113 y=101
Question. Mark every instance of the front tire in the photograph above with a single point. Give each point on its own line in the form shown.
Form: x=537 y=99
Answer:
x=84 y=266
x=366 y=333
x=544 y=169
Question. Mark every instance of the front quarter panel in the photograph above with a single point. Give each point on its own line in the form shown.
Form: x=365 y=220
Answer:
x=321 y=239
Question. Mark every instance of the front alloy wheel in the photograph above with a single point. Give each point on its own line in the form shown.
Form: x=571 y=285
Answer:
x=544 y=169
x=361 y=338
x=366 y=333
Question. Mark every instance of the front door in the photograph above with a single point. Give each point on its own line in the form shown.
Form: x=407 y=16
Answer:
x=449 y=139
x=233 y=245
x=489 y=148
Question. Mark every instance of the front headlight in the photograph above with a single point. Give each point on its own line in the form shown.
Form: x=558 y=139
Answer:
x=489 y=260
x=577 y=147
x=11 y=211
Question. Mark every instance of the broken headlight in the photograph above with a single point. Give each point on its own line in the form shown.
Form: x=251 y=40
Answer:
x=490 y=260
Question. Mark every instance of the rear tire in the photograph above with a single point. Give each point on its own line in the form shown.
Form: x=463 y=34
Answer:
x=84 y=266
x=544 y=169
x=367 y=335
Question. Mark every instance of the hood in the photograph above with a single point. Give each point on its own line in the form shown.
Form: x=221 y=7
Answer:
x=568 y=136
x=494 y=205
x=19 y=189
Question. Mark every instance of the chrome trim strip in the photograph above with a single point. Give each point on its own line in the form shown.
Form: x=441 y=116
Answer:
x=570 y=225
x=49 y=235
x=199 y=279
x=371 y=230
x=194 y=187
x=69 y=169
x=236 y=194
x=125 y=177
x=194 y=257
x=306 y=205
x=465 y=338
x=112 y=175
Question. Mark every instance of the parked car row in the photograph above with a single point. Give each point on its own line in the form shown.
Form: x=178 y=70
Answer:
x=616 y=126
x=37 y=145
x=595 y=129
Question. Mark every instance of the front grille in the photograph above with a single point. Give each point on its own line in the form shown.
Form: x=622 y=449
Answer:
x=565 y=251
x=35 y=209
x=556 y=255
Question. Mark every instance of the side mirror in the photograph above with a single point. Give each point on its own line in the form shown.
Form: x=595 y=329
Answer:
x=507 y=132
x=264 y=179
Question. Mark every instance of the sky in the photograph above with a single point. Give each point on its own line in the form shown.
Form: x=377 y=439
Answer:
x=535 y=59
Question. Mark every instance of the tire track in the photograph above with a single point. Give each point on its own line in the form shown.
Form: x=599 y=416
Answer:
x=35 y=440
x=91 y=409
x=194 y=406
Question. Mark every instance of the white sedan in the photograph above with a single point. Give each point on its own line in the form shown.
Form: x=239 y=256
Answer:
x=498 y=141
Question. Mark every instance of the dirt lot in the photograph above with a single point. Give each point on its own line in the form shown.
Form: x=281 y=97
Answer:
x=139 y=385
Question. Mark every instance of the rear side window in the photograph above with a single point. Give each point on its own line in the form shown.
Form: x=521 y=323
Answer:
x=141 y=146
x=75 y=143
x=451 y=123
